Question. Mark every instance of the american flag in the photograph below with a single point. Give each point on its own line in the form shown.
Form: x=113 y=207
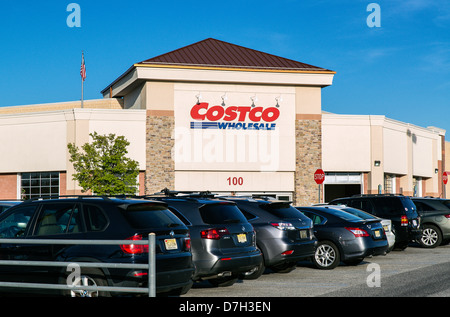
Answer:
x=83 y=68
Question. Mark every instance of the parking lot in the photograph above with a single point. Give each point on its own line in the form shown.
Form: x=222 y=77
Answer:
x=413 y=272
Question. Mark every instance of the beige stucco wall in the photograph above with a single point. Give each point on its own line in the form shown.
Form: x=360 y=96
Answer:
x=352 y=143
x=37 y=141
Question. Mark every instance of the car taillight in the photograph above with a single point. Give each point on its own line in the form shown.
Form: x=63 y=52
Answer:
x=134 y=248
x=214 y=234
x=404 y=221
x=358 y=232
x=187 y=243
x=447 y=216
x=283 y=225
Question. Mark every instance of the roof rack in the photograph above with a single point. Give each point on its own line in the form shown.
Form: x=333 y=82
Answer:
x=376 y=195
x=181 y=194
x=67 y=196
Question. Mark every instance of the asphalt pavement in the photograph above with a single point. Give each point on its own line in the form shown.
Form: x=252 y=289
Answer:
x=413 y=272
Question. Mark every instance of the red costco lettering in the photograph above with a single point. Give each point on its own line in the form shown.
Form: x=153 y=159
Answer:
x=195 y=111
x=201 y=112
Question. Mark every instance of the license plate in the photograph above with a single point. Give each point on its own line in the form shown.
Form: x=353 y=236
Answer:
x=303 y=234
x=377 y=234
x=171 y=244
x=242 y=238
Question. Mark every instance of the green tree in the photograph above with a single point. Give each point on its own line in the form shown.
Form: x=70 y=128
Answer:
x=102 y=166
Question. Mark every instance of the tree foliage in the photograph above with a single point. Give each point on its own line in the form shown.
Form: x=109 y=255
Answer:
x=102 y=166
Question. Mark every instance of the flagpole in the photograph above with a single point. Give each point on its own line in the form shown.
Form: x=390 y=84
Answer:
x=82 y=82
x=82 y=92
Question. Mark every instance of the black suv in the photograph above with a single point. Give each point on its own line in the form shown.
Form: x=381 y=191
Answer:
x=223 y=241
x=283 y=234
x=400 y=209
x=96 y=218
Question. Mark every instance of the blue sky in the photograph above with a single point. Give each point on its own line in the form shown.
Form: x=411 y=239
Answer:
x=400 y=69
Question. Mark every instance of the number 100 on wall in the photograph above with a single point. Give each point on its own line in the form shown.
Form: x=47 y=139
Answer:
x=235 y=181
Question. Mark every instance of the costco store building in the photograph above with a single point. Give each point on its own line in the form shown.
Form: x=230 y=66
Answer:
x=224 y=118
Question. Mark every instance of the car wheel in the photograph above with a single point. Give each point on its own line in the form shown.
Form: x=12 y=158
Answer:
x=255 y=273
x=90 y=278
x=431 y=236
x=327 y=256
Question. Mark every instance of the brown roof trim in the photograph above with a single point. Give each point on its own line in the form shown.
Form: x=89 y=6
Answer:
x=219 y=54
x=212 y=54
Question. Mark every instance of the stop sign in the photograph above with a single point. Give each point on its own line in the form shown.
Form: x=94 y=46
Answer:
x=445 y=178
x=319 y=176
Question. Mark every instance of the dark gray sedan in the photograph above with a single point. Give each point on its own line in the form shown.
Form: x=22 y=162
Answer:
x=344 y=237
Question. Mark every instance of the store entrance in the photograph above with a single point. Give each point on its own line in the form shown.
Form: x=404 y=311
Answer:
x=333 y=191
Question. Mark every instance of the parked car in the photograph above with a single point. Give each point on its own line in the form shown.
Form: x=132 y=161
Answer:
x=96 y=218
x=435 y=219
x=387 y=223
x=398 y=208
x=6 y=204
x=344 y=237
x=223 y=241
x=283 y=234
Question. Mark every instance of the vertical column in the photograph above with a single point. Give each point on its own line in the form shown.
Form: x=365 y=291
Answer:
x=308 y=143
x=308 y=133
x=160 y=172
x=160 y=166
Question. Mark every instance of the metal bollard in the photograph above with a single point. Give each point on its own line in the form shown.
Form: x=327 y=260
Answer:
x=151 y=266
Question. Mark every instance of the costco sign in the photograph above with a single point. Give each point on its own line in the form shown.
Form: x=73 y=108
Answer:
x=233 y=117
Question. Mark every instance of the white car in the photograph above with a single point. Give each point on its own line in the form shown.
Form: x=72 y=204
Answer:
x=387 y=223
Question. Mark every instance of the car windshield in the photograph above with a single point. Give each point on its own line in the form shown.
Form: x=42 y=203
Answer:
x=221 y=213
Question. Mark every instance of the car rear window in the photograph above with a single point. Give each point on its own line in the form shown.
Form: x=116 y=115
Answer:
x=221 y=213
x=410 y=208
x=282 y=210
x=143 y=216
x=359 y=213
x=430 y=205
x=343 y=215
x=396 y=206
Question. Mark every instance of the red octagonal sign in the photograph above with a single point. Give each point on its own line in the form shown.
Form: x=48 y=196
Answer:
x=319 y=176
x=445 y=178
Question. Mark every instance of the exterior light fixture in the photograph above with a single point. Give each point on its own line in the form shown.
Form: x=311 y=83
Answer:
x=199 y=96
x=436 y=170
x=278 y=99
x=224 y=97
x=377 y=163
x=254 y=98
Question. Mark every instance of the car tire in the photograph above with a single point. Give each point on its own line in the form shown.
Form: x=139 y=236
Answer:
x=431 y=236
x=254 y=274
x=326 y=256
x=88 y=277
